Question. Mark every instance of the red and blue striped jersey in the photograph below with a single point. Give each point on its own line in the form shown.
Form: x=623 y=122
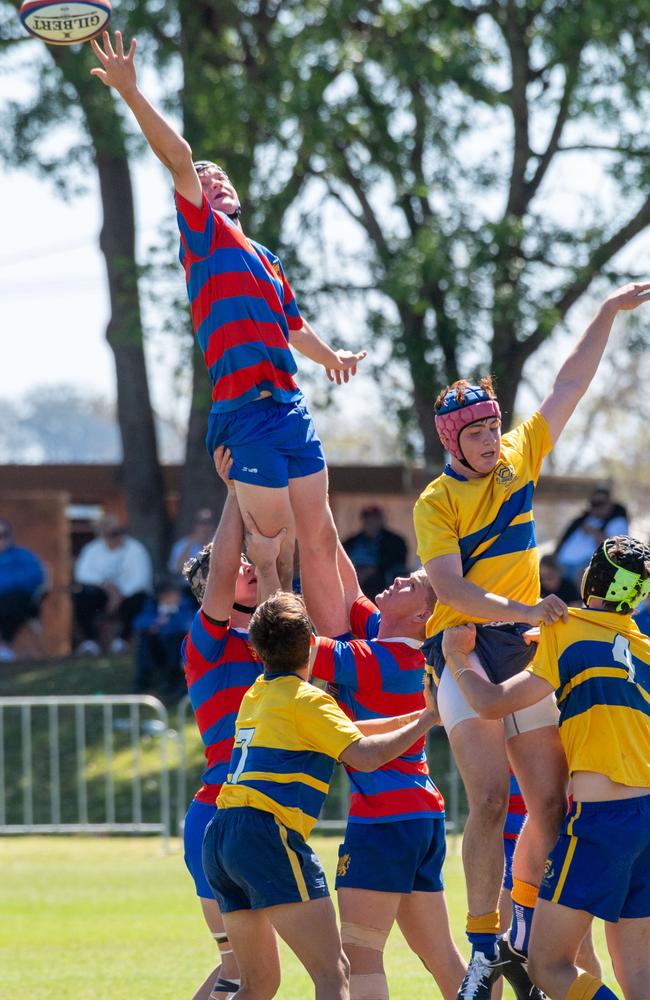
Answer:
x=373 y=678
x=220 y=666
x=517 y=811
x=242 y=308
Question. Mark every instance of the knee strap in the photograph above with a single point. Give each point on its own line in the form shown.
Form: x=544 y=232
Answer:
x=222 y=942
x=369 y=987
x=223 y=989
x=362 y=936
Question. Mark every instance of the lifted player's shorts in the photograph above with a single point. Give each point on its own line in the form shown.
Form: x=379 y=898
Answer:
x=252 y=861
x=270 y=442
x=601 y=863
x=405 y=856
x=197 y=818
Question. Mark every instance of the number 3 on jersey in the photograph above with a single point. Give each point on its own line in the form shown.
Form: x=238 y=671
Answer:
x=242 y=739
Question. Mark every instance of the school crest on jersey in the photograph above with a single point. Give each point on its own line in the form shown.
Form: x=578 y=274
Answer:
x=343 y=865
x=549 y=874
x=278 y=270
x=504 y=474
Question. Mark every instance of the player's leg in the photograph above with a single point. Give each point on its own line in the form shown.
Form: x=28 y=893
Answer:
x=197 y=818
x=311 y=931
x=317 y=543
x=251 y=934
x=478 y=746
x=628 y=942
x=366 y=919
x=270 y=508
x=424 y=922
x=555 y=938
x=538 y=760
x=587 y=958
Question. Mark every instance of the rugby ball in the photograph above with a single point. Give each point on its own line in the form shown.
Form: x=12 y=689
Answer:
x=67 y=23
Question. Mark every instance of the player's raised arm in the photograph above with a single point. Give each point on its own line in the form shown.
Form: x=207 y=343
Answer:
x=576 y=373
x=263 y=551
x=339 y=365
x=118 y=70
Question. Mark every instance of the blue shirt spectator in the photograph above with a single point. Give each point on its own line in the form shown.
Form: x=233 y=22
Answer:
x=22 y=577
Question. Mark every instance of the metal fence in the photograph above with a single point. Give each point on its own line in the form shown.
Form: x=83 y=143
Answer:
x=84 y=764
x=102 y=764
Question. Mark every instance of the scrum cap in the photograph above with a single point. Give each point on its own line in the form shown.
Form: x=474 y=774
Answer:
x=618 y=573
x=455 y=414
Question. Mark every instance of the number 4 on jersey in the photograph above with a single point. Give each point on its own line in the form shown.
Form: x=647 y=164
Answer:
x=242 y=739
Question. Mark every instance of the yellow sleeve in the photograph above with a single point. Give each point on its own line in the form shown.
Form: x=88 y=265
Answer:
x=532 y=439
x=435 y=527
x=322 y=725
x=545 y=664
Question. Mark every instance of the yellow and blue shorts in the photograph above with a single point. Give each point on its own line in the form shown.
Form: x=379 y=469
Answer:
x=403 y=856
x=601 y=863
x=270 y=442
x=252 y=861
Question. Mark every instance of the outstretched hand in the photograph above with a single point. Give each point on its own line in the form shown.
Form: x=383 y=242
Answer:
x=117 y=69
x=630 y=296
x=347 y=366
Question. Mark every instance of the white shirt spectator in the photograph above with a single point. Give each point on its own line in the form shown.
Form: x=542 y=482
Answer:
x=127 y=566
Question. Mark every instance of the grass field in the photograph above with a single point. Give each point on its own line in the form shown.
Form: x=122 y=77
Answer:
x=116 y=919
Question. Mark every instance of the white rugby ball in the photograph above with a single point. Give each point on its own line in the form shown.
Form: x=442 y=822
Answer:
x=65 y=23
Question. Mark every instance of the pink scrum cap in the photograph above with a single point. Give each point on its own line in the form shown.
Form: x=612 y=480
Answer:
x=454 y=415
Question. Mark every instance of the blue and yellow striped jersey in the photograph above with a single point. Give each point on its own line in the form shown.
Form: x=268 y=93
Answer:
x=488 y=521
x=288 y=735
x=599 y=664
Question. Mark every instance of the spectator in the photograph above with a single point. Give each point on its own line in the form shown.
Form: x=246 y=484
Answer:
x=378 y=555
x=113 y=576
x=552 y=581
x=203 y=528
x=603 y=517
x=160 y=628
x=22 y=578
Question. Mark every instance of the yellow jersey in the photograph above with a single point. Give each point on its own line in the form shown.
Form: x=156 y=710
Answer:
x=288 y=735
x=488 y=521
x=599 y=664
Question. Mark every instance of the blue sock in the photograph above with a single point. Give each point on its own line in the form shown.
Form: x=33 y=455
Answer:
x=519 y=933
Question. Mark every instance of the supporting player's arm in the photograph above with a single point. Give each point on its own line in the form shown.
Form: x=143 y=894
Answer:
x=351 y=588
x=576 y=373
x=491 y=701
x=370 y=727
x=264 y=551
x=454 y=590
x=226 y=549
x=118 y=71
x=370 y=752
x=339 y=365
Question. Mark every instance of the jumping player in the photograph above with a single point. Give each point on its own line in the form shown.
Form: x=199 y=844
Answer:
x=390 y=862
x=598 y=663
x=288 y=736
x=476 y=538
x=220 y=665
x=245 y=318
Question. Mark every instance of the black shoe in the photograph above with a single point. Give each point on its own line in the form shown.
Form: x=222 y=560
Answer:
x=481 y=974
x=514 y=968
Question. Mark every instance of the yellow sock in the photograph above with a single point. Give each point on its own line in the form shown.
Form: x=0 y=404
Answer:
x=524 y=893
x=586 y=987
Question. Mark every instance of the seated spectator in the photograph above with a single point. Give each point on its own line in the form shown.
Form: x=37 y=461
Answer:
x=203 y=528
x=161 y=627
x=22 y=579
x=377 y=554
x=113 y=576
x=603 y=517
x=552 y=582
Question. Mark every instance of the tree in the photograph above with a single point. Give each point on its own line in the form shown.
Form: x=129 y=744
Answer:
x=444 y=137
x=67 y=93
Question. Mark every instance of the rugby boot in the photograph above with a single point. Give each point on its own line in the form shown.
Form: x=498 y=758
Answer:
x=514 y=968
x=481 y=974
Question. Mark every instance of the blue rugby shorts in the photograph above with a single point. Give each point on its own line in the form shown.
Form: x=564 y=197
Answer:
x=252 y=861
x=404 y=856
x=270 y=442
x=197 y=818
x=601 y=862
